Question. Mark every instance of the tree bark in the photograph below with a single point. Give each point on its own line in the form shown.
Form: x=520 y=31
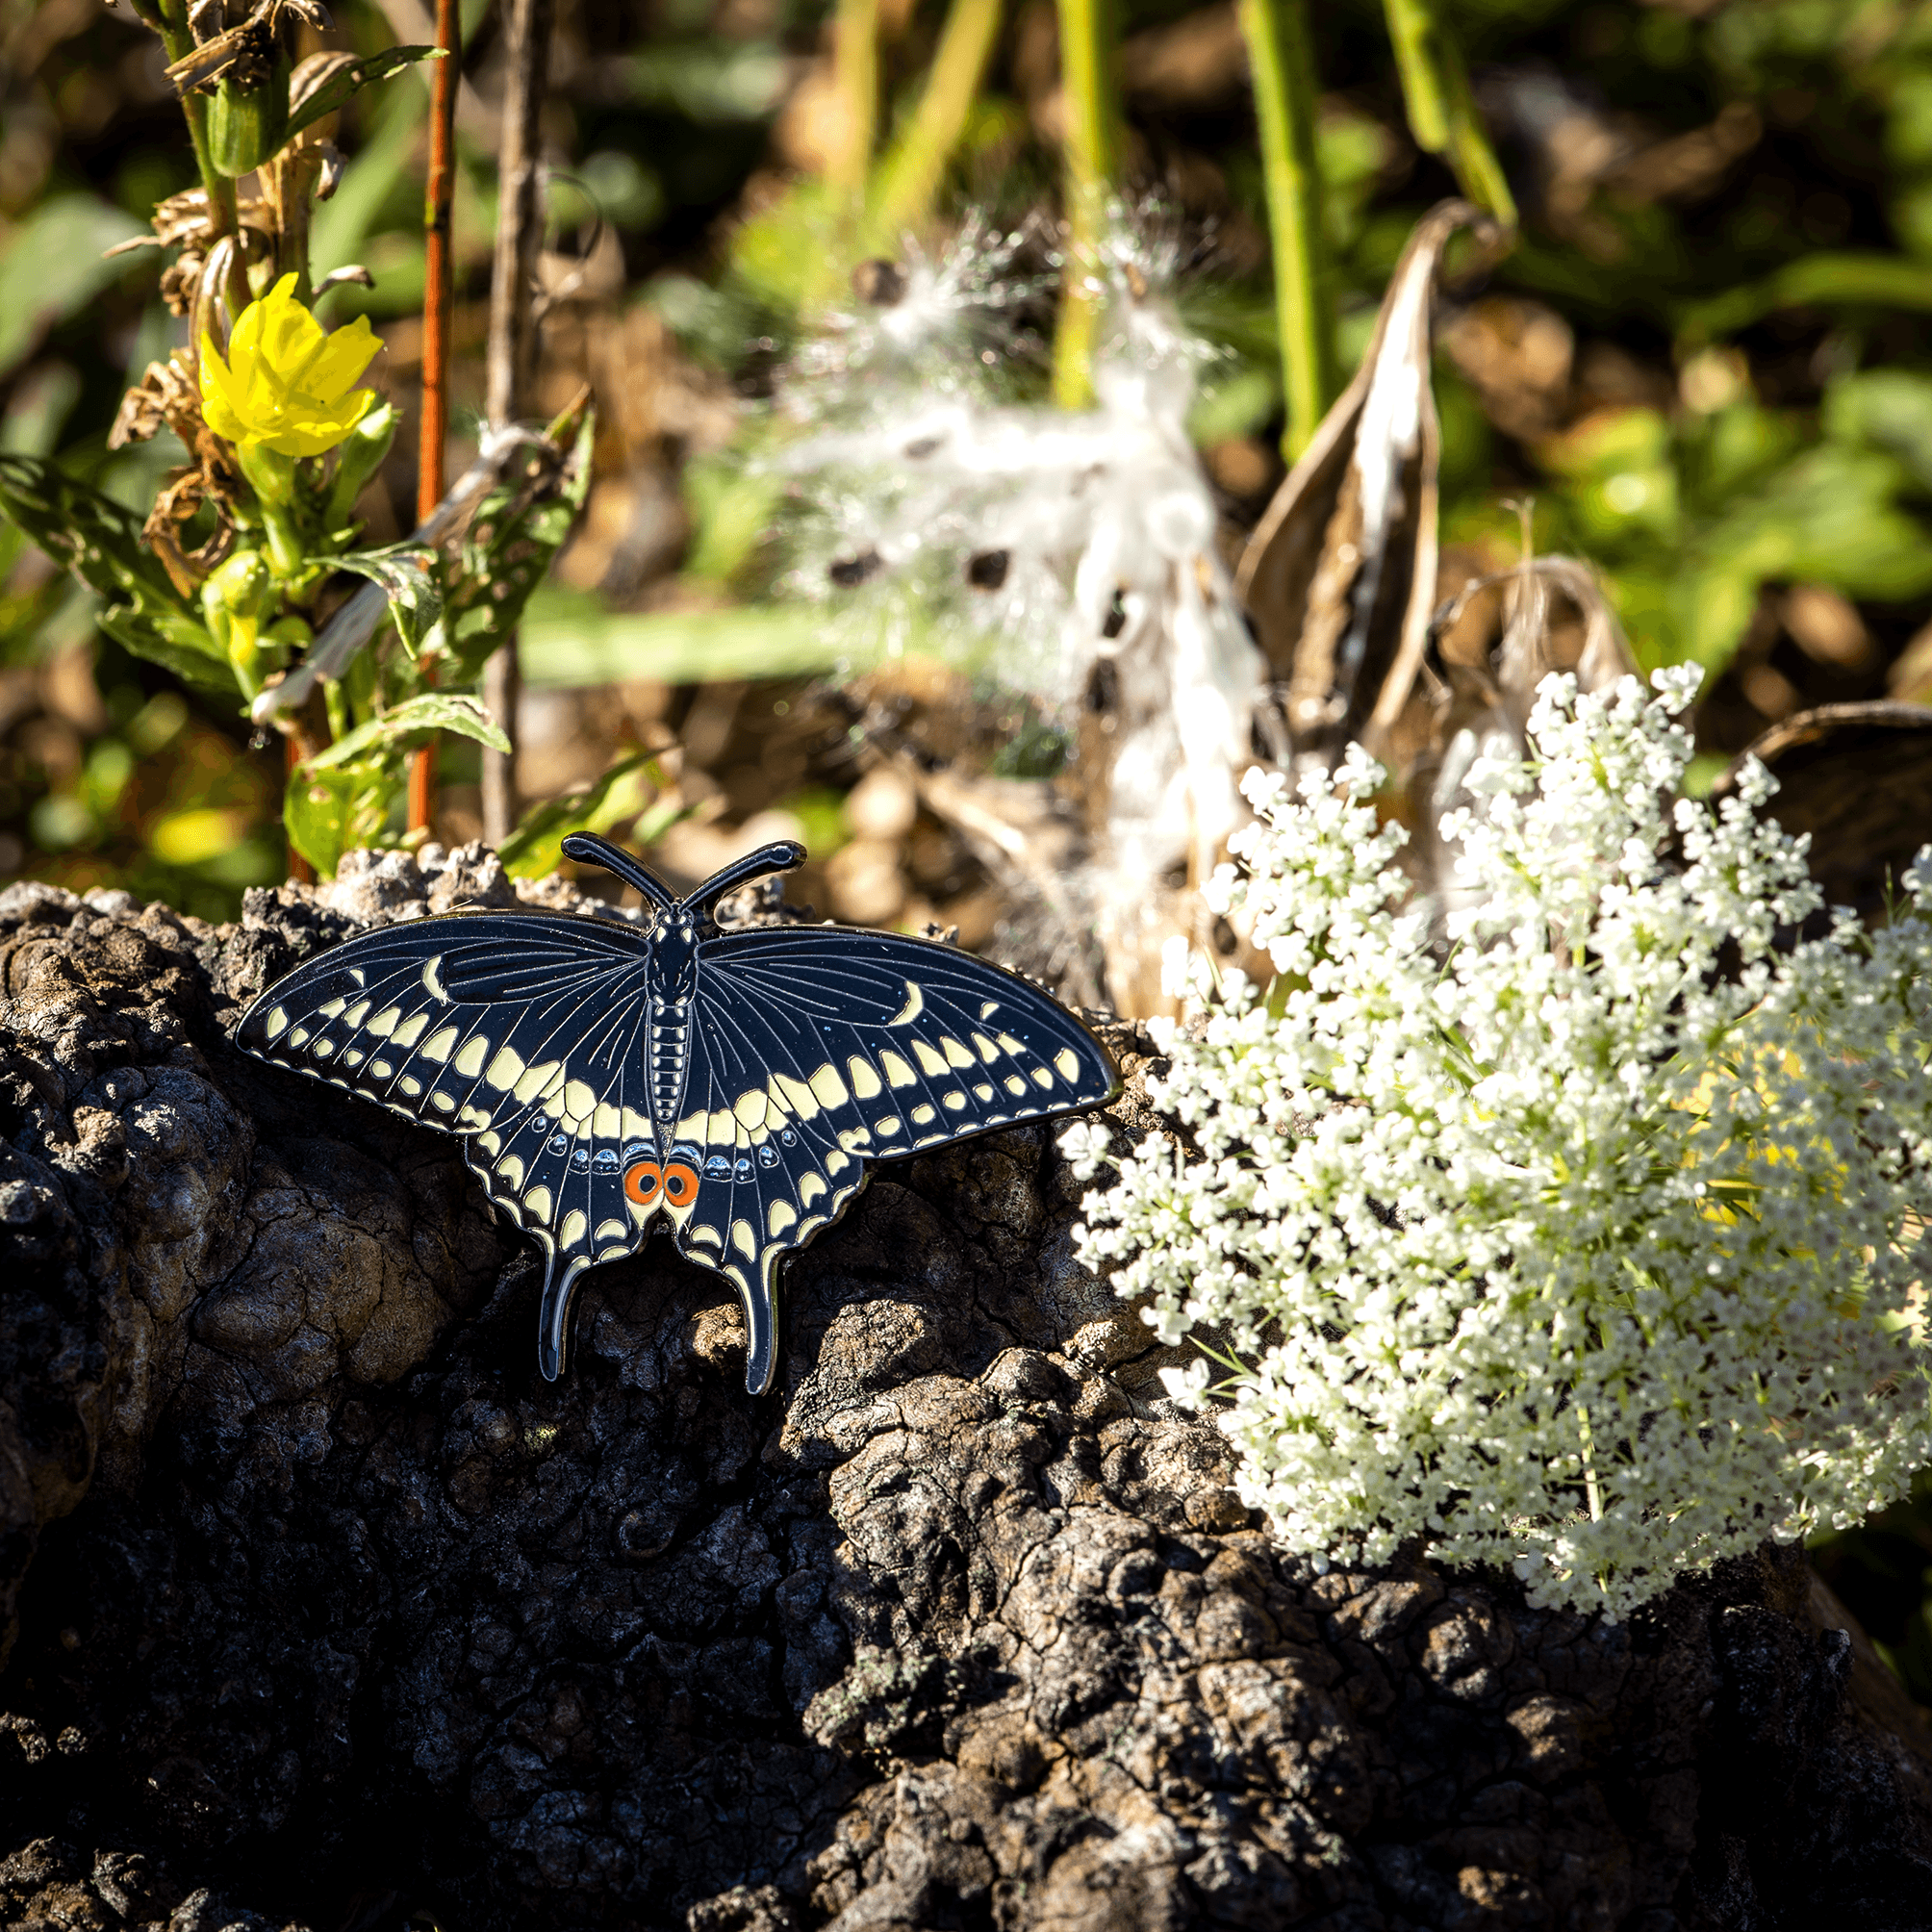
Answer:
x=326 y=1608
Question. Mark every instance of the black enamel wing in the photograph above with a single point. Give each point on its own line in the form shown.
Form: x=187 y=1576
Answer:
x=735 y=1086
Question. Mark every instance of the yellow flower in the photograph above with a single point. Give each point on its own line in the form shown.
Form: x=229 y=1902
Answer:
x=286 y=385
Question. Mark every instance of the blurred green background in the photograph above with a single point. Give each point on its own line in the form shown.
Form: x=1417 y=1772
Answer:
x=1706 y=362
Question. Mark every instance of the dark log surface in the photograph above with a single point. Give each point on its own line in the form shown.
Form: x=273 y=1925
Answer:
x=324 y=1608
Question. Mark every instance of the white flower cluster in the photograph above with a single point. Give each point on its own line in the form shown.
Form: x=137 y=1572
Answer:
x=1592 y=1250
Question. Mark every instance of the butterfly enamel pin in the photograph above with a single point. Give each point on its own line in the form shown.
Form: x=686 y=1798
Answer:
x=734 y=1086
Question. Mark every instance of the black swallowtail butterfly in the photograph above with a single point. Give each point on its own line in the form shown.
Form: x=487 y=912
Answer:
x=737 y=1085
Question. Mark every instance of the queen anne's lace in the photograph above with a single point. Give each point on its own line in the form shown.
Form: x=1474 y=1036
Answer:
x=1593 y=1252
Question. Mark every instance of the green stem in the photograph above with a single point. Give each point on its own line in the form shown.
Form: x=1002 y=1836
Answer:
x=179 y=43
x=1593 y=1492
x=855 y=78
x=1442 y=111
x=1281 y=56
x=1087 y=44
x=913 y=170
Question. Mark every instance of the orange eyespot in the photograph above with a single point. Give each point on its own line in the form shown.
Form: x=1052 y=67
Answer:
x=680 y=1184
x=642 y=1179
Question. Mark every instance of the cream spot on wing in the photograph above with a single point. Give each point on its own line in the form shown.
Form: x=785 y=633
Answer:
x=956 y=1055
x=611 y=1231
x=865 y=1082
x=322 y=1048
x=276 y=1024
x=922 y=1114
x=635 y=1126
x=956 y=1100
x=988 y=1052
x=472 y=1116
x=896 y=1070
x=743 y=1240
x=991 y=1008
x=810 y=1188
x=691 y=1128
x=783 y=1215
x=356 y=974
x=852 y=1138
x=798 y=1096
x=411 y=1031
x=490 y=1143
x=572 y=1229
x=443 y=1103
x=983 y=1091
x=381 y=1069
x=432 y=977
x=439 y=1045
x=300 y=1035
x=930 y=1062
x=356 y=1014
x=751 y=1108
x=915 y=1004
x=704 y=1235
x=828 y=1087
x=505 y=1070
x=1068 y=1064
x=1042 y=1077
x=354 y=1057
x=885 y=1129
x=383 y=1023
x=929 y=1139
x=1015 y=1084
x=993 y=1119
x=408 y=1086
x=612 y=1254
x=579 y=1100
x=510 y=1170
x=837 y=1162
x=720 y=1128
x=532 y=1080
x=605 y=1121
x=332 y=1008
x=1011 y=1045
x=469 y=1061
x=537 y=1204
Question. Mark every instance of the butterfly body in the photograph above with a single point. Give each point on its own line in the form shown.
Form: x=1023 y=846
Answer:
x=734 y=1086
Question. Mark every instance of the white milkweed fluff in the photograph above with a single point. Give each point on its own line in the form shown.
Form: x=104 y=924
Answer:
x=1594 y=1249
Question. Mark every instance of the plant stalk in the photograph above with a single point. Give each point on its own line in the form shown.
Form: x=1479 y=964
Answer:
x=439 y=190
x=1281 y=58
x=917 y=163
x=855 y=81
x=1093 y=135
x=512 y=341
x=179 y=43
x=1442 y=114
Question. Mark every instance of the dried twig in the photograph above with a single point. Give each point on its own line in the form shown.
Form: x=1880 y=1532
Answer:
x=513 y=340
x=436 y=299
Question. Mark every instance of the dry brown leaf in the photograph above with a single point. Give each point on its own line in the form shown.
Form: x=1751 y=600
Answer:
x=1340 y=576
x=1858 y=779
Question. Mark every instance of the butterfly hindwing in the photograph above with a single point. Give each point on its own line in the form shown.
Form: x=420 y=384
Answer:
x=522 y=1032
x=818 y=1049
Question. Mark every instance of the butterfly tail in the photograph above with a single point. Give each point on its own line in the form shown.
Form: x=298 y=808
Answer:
x=758 y=1291
x=554 y=1314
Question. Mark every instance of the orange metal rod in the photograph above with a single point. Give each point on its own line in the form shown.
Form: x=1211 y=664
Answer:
x=436 y=305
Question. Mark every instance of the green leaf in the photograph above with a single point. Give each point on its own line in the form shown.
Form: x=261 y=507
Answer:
x=52 y=268
x=516 y=532
x=349 y=80
x=537 y=845
x=328 y=812
x=1822 y=281
x=407 y=576
x=573 y=640
x=405 y=725
x=99 y=542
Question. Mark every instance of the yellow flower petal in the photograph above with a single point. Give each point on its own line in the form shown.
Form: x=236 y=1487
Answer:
x=286 y=385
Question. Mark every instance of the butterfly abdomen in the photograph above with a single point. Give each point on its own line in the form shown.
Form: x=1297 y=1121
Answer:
x=670 y=1060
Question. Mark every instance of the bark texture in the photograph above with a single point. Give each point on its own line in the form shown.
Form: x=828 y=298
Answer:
x=326 y=1610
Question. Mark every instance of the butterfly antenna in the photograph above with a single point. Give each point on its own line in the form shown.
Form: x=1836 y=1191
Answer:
x=587 y=848
x=782 y=855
